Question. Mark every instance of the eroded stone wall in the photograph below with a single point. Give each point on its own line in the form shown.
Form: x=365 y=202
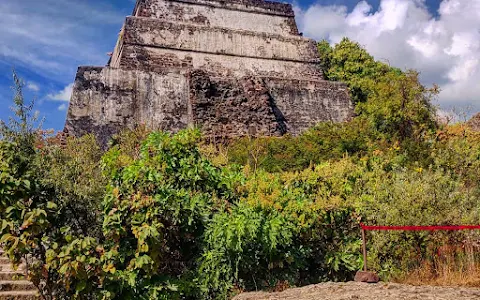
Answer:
x=106 y=100
x=216 y=40
x=229 y=107
x=304 y=103
x=159 y=59
x=255 y=16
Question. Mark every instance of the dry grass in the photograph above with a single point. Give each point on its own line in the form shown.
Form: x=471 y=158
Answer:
x=454 y=266
x=448 y=276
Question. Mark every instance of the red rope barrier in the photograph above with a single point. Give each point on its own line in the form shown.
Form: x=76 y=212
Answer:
x=421 y=228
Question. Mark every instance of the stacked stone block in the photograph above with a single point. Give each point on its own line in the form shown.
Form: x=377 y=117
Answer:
x=13 y=286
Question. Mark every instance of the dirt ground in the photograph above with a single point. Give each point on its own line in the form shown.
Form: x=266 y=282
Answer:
x=379 y=291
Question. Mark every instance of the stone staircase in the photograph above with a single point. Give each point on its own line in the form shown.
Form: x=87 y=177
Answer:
x=12 y=284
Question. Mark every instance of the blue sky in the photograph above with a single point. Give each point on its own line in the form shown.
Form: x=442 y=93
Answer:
x=45 y=41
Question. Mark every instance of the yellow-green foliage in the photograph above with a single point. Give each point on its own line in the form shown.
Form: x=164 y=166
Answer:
x=286 y=228
x=321 y=143
x=393 y=102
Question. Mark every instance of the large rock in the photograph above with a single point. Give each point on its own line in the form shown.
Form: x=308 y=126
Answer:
x=367 y=277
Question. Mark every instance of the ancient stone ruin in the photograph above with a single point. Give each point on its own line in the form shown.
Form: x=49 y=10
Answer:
x=231 y=67
x=474 y=122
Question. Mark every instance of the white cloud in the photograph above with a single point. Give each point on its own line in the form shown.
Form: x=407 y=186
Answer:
x=62 y=107
x=445 y=49
x=63 y=95
x=32 y=86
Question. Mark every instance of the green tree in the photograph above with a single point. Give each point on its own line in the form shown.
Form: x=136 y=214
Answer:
x=395 y=103
x=22 y=128
x=325 y=52
x=156 y=209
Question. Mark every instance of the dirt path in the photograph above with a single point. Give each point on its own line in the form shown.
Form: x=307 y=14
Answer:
x=353 y=290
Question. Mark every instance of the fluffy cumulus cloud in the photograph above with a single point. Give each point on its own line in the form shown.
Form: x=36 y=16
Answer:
x=444 y=48
x=32 y=86
x=63 y=95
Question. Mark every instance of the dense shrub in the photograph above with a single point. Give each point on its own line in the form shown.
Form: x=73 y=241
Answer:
x=155 y=214
x=173 y=225
x=39 y=206
x=47 y=199
x=283 y=231
x=399 y=195
x=321 y=143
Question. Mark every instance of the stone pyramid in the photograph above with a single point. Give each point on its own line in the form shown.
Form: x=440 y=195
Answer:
x=231 y=67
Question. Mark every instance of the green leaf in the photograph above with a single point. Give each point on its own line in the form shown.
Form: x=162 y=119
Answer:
x=52 y=205
x=80 y=286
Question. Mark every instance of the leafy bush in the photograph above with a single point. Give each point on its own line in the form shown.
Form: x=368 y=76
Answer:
x=284 y=232
x=37 y=206
x=155 y=214
x=42 y=209
x=321 y=143
x=166 y=213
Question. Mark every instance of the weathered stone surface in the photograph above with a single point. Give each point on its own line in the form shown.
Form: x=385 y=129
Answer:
x=233 y=68
x=106 y=100
x=304 y=103
x=474 y=122
x=251 y=15
x=234 y=107
x=135 y=57
x=218 y=40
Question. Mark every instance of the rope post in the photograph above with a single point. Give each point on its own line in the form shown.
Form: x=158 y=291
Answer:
x=364 y=241
x=365 y=276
